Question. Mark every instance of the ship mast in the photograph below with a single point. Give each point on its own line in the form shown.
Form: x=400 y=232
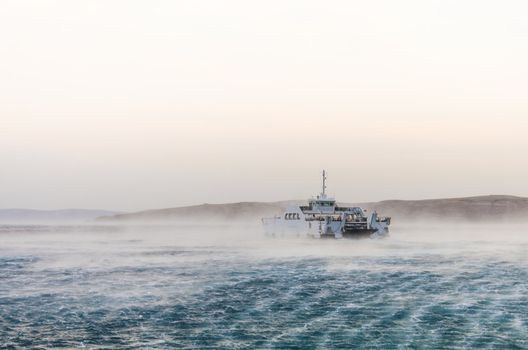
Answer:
x=324 y=184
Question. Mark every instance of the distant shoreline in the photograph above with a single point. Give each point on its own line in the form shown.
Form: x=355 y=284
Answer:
x=490 y=208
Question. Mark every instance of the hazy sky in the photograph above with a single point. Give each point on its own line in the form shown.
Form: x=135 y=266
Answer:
x=148 y=104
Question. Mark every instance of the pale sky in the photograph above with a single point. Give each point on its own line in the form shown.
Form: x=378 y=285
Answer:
x=132 y=105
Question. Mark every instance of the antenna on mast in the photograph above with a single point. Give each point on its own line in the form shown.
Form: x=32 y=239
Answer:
x=324 y=183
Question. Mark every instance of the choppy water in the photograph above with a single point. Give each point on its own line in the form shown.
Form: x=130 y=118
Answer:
x=219 y=288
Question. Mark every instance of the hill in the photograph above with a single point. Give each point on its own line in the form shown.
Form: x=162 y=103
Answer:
x=483 y=208
x=246 y=211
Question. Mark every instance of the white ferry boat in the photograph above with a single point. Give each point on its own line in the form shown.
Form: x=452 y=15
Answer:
x=323 y=218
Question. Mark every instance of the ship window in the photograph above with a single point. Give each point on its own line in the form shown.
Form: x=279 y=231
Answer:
x=298 y=216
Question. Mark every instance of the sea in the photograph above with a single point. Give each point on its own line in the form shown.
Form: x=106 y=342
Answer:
x=216 y=286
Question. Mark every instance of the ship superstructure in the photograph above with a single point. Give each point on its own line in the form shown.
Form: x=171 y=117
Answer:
x=323 y=218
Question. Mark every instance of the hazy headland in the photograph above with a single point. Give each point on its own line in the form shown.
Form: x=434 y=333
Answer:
x=486 y=209
x=28 y=216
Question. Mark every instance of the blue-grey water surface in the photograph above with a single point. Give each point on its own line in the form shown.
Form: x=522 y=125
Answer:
x=181 y=287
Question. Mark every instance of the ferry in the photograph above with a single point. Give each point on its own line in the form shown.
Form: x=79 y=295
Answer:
x=323 y=218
